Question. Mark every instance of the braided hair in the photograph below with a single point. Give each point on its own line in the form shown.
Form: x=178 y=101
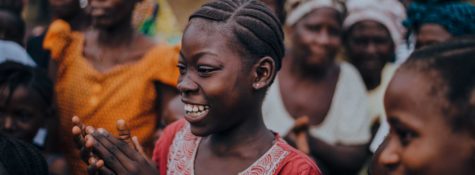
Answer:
x=20 y=158
x=254 y=25
x=14 y=75
x=452 y=66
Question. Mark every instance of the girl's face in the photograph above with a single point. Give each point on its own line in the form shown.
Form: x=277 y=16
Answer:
x=109 y=13
x=23 y=114
x=430 y=34
x=215 y=83
x=421 y=140
x=316 y=38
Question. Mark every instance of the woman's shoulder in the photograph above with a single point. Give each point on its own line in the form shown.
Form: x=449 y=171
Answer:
x=296 y=162
x=59 y=37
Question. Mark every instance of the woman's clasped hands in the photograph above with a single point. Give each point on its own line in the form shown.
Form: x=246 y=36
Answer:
x=106 y=154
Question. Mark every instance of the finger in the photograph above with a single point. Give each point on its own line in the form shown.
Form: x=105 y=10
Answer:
x=302 y=142
x=77 y=122
x=92 y=168
x=127 y=155
x=103 y=169
x=138 y=147
x=124 y=132
x=108 y=153
x=78 y=138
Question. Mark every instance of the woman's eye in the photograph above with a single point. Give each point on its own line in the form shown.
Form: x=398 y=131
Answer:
x=206 y=69
x=181 y=69
x=406 y=136
x=24 y=116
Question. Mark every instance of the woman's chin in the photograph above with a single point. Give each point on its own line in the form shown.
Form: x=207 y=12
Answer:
x=199 y=131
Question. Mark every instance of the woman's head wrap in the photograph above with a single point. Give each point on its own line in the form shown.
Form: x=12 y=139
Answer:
x=297 y=9
x=389 y=13
x=458 y=18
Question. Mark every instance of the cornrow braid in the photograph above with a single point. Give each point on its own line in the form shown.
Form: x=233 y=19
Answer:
x=256 y=28
x=20 y=158
x=452 y=67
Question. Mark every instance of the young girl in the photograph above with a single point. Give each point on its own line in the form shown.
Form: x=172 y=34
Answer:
x=230 y=55
x=430 y=104
x=26 y=105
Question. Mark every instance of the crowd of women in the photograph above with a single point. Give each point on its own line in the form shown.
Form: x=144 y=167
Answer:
x=302 y=87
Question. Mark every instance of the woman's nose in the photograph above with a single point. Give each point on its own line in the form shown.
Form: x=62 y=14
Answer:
x=186 y=85
x=8 y=123
x=389 y=153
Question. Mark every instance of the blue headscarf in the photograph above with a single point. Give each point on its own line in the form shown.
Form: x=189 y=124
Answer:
x=458 y=18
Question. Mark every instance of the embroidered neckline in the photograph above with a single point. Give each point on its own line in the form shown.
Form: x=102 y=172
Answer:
x=182 y=156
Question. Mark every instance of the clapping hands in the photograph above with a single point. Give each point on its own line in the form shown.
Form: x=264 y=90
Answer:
x=106 y=154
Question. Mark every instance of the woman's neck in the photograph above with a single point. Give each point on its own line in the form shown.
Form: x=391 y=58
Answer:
x=80 y=22
x=121 y=34
x=299 y=70
x=250 y=136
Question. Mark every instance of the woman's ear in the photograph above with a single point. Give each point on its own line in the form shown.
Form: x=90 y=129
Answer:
x=263 y=73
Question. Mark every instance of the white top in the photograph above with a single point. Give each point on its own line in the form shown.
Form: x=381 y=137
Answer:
x=347 y=121
x=378 y=112
x=11 y=51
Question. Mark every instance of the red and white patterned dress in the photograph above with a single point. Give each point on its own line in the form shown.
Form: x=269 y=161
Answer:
x=175 y=153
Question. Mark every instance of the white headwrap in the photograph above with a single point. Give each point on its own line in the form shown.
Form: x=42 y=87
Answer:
x=297 y=9
x=389 y=13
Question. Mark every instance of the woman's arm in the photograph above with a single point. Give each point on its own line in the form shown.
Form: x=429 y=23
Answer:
x=340 y=159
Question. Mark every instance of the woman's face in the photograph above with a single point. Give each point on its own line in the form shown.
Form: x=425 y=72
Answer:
x=215 y=83
x=421 y=140
x=23 y=114
x=316 y=38
x=64 y=9
x=109 y=13
x=369 y=47
x=430 y=34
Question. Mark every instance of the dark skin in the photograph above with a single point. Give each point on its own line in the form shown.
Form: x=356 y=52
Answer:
x=421 y=139
x=113 y=42
x=370 y=48
x=212 y=73
x=429 y=34
x=70 y=11
x=23 y=114
x=112 y=35
x=234 y=134
x=310 y=70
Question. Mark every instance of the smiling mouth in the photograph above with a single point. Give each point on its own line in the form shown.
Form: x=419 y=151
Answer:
x=196 y=112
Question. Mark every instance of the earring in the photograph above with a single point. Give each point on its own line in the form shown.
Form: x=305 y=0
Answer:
x=83 y=3
x=257 y=85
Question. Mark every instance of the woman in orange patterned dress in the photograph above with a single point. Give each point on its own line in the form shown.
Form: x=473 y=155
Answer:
x=109 y=72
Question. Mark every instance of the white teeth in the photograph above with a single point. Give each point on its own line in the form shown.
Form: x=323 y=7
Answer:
x=195 y=110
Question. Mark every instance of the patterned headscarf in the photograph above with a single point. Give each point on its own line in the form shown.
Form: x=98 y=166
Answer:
x=458 y=18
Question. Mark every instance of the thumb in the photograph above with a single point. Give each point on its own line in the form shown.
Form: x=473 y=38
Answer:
x=124 y=132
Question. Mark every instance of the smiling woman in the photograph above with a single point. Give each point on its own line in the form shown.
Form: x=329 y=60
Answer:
x=230 y=55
